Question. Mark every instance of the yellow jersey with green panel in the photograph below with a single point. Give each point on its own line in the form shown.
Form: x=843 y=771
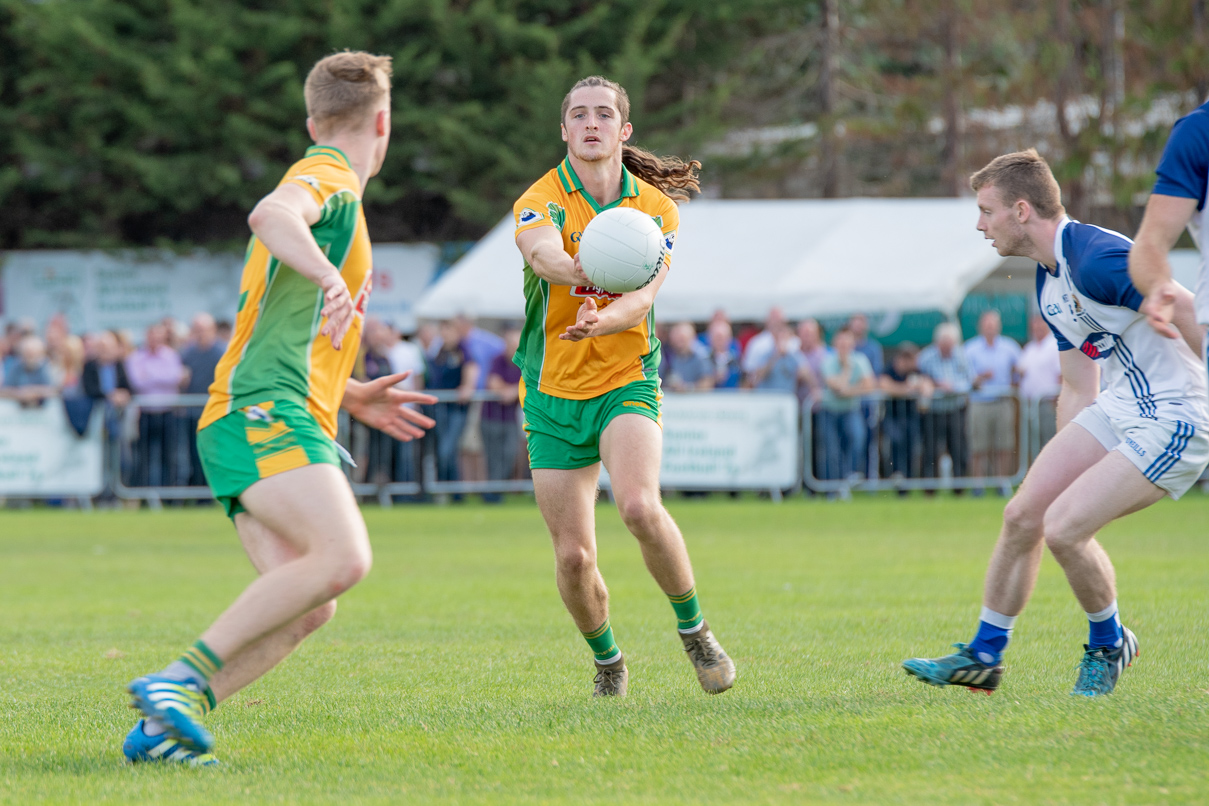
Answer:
x=580 y=370
x=276 y=352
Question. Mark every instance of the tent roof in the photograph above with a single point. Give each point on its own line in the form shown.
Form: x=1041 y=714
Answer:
x=810 y=257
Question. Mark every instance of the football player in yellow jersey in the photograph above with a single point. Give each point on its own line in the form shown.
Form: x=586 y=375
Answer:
x=267 y=436
x=590 y=388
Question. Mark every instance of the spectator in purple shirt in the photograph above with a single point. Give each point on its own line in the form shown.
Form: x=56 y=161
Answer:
x=155 y=371
x=501 y=420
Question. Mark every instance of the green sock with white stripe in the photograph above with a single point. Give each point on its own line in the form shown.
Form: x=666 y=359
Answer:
x=688 y=611
x=604 y=648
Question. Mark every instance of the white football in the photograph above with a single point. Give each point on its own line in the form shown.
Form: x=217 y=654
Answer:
x=621 y=250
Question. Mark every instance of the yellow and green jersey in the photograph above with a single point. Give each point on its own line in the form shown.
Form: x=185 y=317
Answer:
x=579 y=370
x=276 y=352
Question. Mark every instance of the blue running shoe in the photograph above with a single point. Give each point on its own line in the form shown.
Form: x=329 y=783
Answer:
x=139 y=747
x=1101 y=667
x=177 y=705
x=959 y=669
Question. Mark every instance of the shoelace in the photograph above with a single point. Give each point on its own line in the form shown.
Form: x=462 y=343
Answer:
x=605 y=676
x=1093 y=672
x=702 y=651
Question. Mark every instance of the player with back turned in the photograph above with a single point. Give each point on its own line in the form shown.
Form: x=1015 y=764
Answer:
x=267 y=436
x=1145 y=436
x=590 y=384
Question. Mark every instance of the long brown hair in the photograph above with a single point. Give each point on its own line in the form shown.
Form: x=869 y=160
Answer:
x=676 y=178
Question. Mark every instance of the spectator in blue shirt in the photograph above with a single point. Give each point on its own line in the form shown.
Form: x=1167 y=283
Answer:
x=686 y=365
x=847 y=376
x=723 y=355
x=992 y=358
x=944 y=361
x=27 y=379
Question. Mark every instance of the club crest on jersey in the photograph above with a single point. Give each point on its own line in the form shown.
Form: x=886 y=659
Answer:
x=593 y=291
x=310 y=180
x=1075 y=299
x=558 y=216
x=669 y=241
x=529 y=216
x=658 y=219
x=1099 y=345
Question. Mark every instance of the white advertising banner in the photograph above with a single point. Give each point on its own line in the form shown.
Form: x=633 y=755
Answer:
x=130 y=289
x=40 y=453
x=727 y=440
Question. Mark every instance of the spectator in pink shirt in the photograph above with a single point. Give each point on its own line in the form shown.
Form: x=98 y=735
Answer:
x=155 y=371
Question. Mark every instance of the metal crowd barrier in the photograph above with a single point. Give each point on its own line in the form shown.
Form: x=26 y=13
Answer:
x=154 y=457
x=869 y=476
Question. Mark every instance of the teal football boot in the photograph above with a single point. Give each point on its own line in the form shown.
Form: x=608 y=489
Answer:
x=1101 y=667
x=959 y=669
x=178 y=705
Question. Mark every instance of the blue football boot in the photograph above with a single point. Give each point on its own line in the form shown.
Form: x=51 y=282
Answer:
x=139 y=748
x=959 y=669
x=178 y=705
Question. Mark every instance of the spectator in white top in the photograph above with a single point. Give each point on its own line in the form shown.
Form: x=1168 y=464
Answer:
x=992 y=421
x=763 y=345
x=1040 y=371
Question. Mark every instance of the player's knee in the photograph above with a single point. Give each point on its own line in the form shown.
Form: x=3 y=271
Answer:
x=348 y=568
x=1022 y=520
x=575 y=559
x=641 y=514
x=1060 y=536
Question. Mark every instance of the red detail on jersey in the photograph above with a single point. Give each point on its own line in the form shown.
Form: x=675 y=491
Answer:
x=363 y=297
x=593 y=291
x=1090 y=350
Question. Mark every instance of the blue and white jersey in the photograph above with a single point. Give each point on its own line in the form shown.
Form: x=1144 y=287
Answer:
x=1184 y=173
x=1090 y=304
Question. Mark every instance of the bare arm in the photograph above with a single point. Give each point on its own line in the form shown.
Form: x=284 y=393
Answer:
x=542 y=248
x=1149 y=268
x=620 y=315
x=508 y=392
x=1080 y=385
x=470 y=381
x=282 y=222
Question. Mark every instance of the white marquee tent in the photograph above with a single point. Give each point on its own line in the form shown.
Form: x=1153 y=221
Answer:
x=810 y=257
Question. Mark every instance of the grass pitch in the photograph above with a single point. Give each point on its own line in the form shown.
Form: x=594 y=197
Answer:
x=453 y=674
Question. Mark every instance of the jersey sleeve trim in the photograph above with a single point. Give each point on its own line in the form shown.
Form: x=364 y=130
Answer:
x=1183 y=170
x=1099 y=266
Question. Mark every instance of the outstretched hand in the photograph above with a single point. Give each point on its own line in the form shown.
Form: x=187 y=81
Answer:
x=586 y=320
x=1159 y=309
x=380 y=405
x=337 y=309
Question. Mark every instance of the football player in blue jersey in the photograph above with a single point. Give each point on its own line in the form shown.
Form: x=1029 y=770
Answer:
x=1146 y=435
x=1178 y=201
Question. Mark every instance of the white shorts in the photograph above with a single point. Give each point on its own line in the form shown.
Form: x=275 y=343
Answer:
x=1170 y=453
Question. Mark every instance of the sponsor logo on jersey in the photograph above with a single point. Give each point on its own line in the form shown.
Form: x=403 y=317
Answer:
x=529 y=216
x=363 y=296
x=593 y=291
x=558 y=216
x=1053 y=309
x=310 y=180
x=575 y=236
x=1099 y=345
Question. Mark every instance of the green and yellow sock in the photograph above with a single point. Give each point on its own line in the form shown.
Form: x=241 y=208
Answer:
x=688 y=611
x=198 y=664
x=604 y=648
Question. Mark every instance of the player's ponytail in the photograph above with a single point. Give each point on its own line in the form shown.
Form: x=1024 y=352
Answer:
x=672 y=175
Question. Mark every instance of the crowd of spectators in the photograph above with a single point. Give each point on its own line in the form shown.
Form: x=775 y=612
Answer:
x=946 y=409
x=949 y=409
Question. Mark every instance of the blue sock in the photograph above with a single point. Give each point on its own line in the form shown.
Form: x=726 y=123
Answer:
x=994 y=632
x=1105 y=628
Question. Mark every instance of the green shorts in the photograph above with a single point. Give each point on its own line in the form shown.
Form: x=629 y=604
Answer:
x=565 y=434
x=259 y=441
